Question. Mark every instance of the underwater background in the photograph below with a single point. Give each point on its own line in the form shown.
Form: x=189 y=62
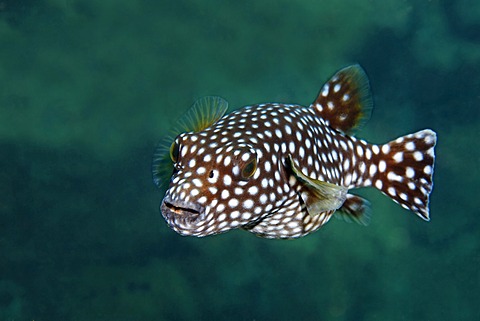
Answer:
x=88 y=88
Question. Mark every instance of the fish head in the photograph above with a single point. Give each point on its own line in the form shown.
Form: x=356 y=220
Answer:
x=213 y=185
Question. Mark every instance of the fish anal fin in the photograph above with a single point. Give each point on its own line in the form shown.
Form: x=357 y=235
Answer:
x=345 y=101
x=318 y=196
x=355 y=209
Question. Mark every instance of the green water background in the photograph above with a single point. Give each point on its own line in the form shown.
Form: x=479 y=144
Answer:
x=88 y=87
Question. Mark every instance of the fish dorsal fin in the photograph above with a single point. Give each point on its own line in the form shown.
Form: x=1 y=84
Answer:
x=345 y=101
x=204 y=113
x=319 y=196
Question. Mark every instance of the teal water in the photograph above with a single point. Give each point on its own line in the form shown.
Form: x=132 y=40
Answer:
x=87 y=89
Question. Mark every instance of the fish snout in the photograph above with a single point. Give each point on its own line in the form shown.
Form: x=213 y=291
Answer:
x=180 y=212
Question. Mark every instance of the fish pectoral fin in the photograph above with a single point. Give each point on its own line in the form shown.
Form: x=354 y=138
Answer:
x=319 y=196
x=355 y=209
x=204 y=113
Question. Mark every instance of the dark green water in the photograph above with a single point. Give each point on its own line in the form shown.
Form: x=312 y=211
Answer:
x=87 y=88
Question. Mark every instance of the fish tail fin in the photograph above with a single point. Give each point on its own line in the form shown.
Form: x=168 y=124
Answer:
x=405 y=170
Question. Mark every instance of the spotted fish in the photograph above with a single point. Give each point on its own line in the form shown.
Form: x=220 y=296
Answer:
x=283 y=170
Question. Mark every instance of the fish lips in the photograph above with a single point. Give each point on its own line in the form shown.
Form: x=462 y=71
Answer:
x=180 y=214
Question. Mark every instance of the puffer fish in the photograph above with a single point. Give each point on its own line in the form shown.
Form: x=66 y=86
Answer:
x=283 y=170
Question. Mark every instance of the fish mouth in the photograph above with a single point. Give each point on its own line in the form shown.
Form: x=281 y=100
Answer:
x=181 y=212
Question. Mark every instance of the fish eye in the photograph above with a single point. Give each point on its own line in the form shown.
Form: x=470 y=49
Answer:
x=249 y=169
x=244 y=162
x=174 y=151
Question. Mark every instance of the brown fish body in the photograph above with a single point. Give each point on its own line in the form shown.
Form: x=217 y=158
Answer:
x=282 y=171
